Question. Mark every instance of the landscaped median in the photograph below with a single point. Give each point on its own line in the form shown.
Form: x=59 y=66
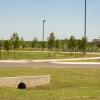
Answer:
x=36 y=55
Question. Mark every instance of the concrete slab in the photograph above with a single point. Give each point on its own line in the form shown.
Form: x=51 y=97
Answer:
x=29 y=81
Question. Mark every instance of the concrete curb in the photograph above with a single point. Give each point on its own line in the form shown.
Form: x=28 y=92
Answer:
x=56 y=61
x=13 y=61
x=78 y=63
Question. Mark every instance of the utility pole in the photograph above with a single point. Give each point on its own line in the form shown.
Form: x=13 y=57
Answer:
x=0 y=49
x=43 y=35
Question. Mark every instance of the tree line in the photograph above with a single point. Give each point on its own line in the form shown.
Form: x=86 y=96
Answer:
x=71 y=45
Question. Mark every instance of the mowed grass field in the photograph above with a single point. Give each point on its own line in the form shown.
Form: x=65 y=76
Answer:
x=66 y=84
x=41 y=55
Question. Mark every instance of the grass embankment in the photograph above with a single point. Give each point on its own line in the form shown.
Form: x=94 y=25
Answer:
x=66 y=84
x=41 y=55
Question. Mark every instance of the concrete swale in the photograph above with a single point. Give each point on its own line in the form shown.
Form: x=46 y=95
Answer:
x=24 y=82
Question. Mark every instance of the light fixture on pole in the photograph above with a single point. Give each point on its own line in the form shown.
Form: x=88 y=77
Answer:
x=43 y=35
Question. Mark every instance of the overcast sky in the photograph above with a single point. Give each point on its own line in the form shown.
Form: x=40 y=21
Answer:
x=63 y=17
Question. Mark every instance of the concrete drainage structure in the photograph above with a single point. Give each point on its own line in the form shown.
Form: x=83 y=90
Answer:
x=21 y=85
x=24 y=82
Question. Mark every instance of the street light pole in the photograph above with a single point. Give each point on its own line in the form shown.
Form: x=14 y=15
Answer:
x=0 y=49
x=43 y=35
x=85 y=37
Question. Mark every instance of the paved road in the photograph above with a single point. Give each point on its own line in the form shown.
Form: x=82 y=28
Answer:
x=46 y=64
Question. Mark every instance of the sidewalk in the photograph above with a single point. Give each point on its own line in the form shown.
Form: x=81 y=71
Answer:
x=49 y=60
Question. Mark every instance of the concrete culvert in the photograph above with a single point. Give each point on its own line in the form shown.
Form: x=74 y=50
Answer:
x=21 y=85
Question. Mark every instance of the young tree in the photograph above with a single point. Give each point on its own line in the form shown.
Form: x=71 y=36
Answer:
x=34 y=43
x=15 y=42
x=96 y=42
x=57 y=44
x=6 y=45
x=51 y=41
x=83 y=44
x=79 y=45
x=22 y=43
x=71 y=43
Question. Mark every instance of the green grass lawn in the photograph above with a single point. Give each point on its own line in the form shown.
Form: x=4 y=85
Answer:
x=41 y=55
x=66 y=84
